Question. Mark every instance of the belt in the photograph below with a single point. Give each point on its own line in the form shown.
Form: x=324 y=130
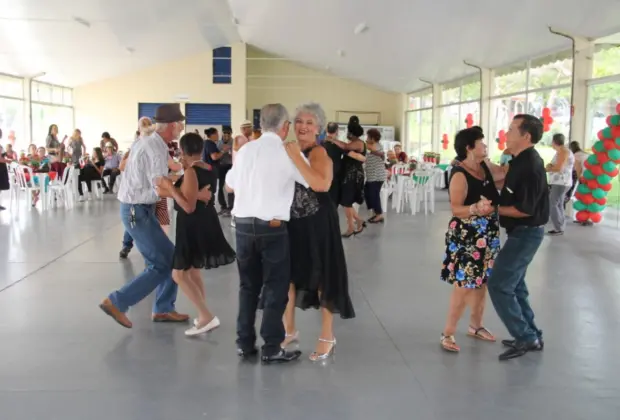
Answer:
x=257 y=221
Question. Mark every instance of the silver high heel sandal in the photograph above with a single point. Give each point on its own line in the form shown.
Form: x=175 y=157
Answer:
x=291 y=338
x=315 y=357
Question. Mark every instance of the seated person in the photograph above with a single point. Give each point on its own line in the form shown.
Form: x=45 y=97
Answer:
x=111 y=168
x=91 y=171
x=401 y=156
x=11 y=155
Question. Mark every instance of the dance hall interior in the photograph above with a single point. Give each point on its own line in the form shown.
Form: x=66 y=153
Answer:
x=283 y=209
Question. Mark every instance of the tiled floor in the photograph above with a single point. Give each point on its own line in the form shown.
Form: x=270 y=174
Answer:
x=62 y=359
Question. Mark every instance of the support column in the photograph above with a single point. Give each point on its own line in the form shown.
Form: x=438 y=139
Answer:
x=28 y=111
x=436 y=118
x=486 y=90
x=582 y=71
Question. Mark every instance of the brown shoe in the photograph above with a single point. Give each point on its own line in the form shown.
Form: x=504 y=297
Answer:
x=108 y=307
x=173 y=316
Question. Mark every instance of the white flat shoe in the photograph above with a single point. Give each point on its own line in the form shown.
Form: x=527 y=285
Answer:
x=195 y=330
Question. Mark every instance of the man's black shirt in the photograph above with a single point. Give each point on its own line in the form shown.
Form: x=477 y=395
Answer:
x=525 y=188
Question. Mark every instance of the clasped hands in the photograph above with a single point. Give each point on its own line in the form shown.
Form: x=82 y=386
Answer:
x=164 y=188
x=483 y=207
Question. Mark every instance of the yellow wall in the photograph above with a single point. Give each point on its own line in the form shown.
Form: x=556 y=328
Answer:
x=112 y=105
x=291 y=84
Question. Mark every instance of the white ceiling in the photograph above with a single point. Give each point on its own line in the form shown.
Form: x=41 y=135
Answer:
x=406 y=39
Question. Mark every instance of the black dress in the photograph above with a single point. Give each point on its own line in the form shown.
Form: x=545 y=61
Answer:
x=317 y=257
x=335 y=154
x=352 y=181
x=200 y=242
x=4 y=173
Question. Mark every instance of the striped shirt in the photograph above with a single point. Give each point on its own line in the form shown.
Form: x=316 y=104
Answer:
x=375 y=168
x=148 y=160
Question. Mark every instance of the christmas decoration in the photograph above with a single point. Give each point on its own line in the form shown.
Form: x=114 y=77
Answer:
x=501 y=140
x=469 y=121
x=546 y=119
x=600 y=169
x=445 y=141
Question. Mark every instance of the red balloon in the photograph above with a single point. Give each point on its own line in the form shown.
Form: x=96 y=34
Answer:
x=609 y=144
x=596 y=217
x=592 y=184
x=600 y=135
x=618 y=108
x=601 y=201
x=615 y=131
x=613 y=173
x=602 y=157
x=597 y=170
x=582 y=216
x=588 y=199
x=579 y=196
x=606 y=187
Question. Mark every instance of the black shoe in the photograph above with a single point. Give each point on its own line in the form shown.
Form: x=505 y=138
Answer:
x=246 y=354
x=511 y=343
x=519 y=350
x=222 y=211
x=124 y=253
x=283 y=356
x=555 y=233
x=2 y=208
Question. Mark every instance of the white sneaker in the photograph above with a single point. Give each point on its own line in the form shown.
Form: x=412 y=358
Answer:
x=215 y=322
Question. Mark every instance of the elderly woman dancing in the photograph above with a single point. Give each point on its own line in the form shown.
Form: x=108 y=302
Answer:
x=319 y=276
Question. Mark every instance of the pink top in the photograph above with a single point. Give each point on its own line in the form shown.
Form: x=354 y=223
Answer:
x=240 y=140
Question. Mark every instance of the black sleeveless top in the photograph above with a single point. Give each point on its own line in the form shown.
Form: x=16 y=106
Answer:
x=476 y=187
x=307 y=202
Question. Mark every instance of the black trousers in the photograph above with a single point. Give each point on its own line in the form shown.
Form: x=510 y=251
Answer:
x=113 y=173
x=264 y=264
x=221 y=187
x=372 y=192
x=87 y=174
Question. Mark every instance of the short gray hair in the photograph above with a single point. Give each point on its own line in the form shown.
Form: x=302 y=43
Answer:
x=315 y=110
x=273 y=117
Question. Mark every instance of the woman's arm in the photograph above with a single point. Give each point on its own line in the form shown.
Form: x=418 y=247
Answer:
x=318 y=174
x=99 y=168
x=355 y=146
x=559 y=162
x=124 y=161
x=578 y=167
x=357 y=156
x=187 y=195
x=174 y=166
x=497 y=172
x=458 y=193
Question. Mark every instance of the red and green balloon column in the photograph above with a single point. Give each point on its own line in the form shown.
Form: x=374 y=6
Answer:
x=600 y=169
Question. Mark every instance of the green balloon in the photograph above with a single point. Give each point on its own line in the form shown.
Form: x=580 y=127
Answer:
x=599 y=146
x=615 y=120
x=607 y=132
x=617 y=141
x=592 y=159
x=583 y=189
x=587 y=174
x=598 y=193
x=579 y=206
x=608 y=167
x=603 y=179
x=596 y=208
x=614 y=154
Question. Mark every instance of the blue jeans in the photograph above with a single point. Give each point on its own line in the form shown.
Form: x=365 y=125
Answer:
x=264 y=263
x=507 y=287
x=158 y=252
x=127 y=240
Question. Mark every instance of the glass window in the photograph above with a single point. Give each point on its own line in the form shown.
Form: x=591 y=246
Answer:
x=546 y=74
x=426 y=133
x=503 y=111
x=12 y=122
x=41 y=92
x=602 y=102
x=67 y=97
x=607 y=61
x=57 y=93
x=45 y=115
x=450 y=124
x=414 y=123
x=559 y=103
x=11 y=86
x=511 y=79
x=470 y=88
x=422 y=99
x=419 y=133
x=472 y=108
x=451 y=95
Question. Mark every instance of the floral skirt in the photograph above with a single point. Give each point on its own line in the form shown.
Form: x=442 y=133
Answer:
x=471 y=248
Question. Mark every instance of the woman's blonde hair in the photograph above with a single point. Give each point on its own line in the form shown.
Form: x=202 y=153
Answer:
x=146 y=126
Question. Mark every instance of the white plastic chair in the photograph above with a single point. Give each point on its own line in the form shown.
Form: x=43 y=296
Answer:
x=421 y=188
x=97 y=189
x=62 y=189
x=22 y=173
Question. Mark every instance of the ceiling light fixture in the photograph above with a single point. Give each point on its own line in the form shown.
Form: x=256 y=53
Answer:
x=81 y=21
x=360 y=28
x=340 y=53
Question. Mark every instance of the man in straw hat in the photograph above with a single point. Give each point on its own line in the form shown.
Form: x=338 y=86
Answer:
x=147 y=162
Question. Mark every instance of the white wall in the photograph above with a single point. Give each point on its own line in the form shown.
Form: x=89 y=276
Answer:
x=112 y=105
x=272 y=80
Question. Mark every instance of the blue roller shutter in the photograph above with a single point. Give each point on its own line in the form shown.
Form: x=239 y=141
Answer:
x=256 y=119
x=207 y=114
x=147 y=109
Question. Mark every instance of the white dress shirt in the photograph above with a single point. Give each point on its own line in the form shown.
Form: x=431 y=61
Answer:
x=263 y=178
x=148 y=159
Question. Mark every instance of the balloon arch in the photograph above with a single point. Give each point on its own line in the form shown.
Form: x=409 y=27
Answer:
x=600 y=169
